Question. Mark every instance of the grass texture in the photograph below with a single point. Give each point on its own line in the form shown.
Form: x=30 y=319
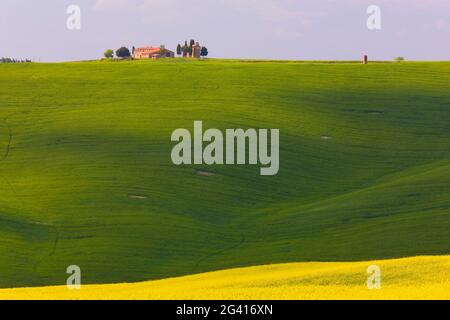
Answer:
x=86 y=177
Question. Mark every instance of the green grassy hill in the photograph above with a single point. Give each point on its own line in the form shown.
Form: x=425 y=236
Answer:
x=86 y=176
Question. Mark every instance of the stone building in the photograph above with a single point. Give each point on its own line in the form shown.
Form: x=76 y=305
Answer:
x=152 y=53
x=196 y=50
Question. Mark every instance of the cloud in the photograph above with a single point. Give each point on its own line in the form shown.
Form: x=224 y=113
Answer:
x=113 y=4
x=266 y=9
x=283 y=13
x=441 y=24
x=287 y=33
x=151 y=11
x=272 y=10
x=137 y=5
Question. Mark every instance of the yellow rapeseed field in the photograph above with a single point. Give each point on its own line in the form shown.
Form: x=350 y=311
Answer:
x=410 y=278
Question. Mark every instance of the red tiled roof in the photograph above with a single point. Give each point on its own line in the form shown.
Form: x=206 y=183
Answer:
x=148 y=50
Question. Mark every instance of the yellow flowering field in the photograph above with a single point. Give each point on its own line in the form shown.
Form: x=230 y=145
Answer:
x=410 y=278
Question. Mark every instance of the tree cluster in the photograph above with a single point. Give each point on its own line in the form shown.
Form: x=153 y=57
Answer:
x=187 y=49
x=12 y=60
x=122 y=53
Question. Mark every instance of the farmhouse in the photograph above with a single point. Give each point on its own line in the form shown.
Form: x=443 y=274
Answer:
x=152 y=53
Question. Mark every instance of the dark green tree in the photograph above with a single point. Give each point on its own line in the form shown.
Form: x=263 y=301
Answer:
x=123 y=52
x=185 y=49
x=109 y=53
x=204 y=52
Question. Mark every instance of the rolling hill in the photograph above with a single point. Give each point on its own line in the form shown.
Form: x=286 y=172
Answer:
x=86 y=177
x=412 y=278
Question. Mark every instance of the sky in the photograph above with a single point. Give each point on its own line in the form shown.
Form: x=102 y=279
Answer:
x=258 y=29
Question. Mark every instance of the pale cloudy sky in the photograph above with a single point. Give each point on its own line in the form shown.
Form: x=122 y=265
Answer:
x=270 y=29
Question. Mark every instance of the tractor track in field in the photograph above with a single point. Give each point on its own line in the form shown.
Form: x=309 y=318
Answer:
x=9 y=184
x=235 y=246
x=6 y=154
x=10 y=138
x=4 y=158
x=51 y=253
